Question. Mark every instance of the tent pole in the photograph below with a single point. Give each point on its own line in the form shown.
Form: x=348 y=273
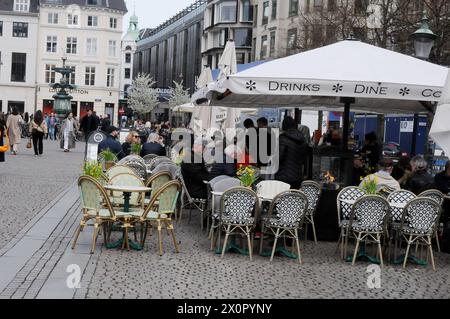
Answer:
x=415 y=132
x=346 y=131
x=298 y=116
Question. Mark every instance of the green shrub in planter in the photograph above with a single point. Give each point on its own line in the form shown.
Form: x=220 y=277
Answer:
x=93 y=169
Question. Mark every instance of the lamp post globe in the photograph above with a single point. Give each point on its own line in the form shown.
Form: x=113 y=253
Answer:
x=424 y=39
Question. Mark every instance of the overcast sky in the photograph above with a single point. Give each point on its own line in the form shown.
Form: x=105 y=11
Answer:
x=152 y=13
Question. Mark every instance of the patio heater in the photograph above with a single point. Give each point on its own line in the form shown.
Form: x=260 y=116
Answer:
x=63 y=105
x=424 y=39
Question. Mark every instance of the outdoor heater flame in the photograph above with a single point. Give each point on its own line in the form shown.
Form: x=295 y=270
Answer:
x=329 y=178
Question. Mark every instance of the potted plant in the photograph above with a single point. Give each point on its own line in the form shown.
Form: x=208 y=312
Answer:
x=136 y=149
x=93 y=169
x=109 y=158
x=369 y=184
x=247 y=175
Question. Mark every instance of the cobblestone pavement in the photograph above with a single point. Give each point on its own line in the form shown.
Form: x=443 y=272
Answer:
x=28 y=184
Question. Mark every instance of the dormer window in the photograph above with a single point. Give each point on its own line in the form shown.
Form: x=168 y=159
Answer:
x=94 y=2
x=22 y=5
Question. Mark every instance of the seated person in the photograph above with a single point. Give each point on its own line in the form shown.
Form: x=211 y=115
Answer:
x=359 y=173
x=385 y=182
x=111 y=143
x=194 y=172
x=227 y=166
x=420 y=180
x=153 y=146
x=132 y=138
x=442 y=180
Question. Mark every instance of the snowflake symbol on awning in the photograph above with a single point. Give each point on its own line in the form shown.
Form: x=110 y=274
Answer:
x=337 y=88
x=404 y=91
x=250 y=85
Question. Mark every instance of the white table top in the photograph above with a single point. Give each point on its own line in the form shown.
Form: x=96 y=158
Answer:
x=395 y=205
x=263 y=198
x=128 y=189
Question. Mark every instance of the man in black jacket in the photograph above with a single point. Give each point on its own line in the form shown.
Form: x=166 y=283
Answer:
x=420 y=180
x=292 y=154
x=89 y=123
x=111 y=143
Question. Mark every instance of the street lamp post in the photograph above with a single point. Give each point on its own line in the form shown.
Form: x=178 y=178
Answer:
x=424 y=40
x=63 y=105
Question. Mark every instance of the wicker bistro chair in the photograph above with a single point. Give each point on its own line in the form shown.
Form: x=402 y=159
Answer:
x=139 y=169
x=219 y=187
x=312 y=190
x=159 y=212
x=270 y=189
x=125 y=179
x=188 y=202
x=419 y=223
x=209 y=188
x=439 y=197
x=119 y=169
x=96 y=206
x=158 y=160
x=131 y=159
x=155 y=182
x=174 y=170
x=344 y=209
x=148 y=158
x=401 y=197
x=239 y=208
x=286 y=216
x=368 y=222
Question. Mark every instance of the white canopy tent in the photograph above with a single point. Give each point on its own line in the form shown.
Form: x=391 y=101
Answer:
x=440 y=131
x=379 y=81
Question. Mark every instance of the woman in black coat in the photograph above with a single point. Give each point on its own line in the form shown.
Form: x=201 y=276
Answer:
x=292 y=154
x=194 y=174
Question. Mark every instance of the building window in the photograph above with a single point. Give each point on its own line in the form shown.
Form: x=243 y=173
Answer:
x=361 y=6
x=292 y=40
x=92 y=21
x=255 y=16
x=49 y=73
x=91 y=46
x=20 y=30
x=293 y=8
x=90 y=76
x=1 y=28
x=263 y=53
x=223 y=37
x=274 y=9
x=240 y=58
x=226 y=11
x=247 y=11
x=22 y=5
x=127 y=73
x=272 y=43
x=110 y=77
x=113 y=23
x=265 y=18
x=18 y=67
x=52 y=43
x=243 y=37
x=53 y=18
x=331 y=5
x=72 y=75
x=94 y=2
x=71 y=45
x=72 y=19
x=127 y=57
x=317 y=35
x=112 y=48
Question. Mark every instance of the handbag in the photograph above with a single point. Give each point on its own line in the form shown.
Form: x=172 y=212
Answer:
x=29 y=144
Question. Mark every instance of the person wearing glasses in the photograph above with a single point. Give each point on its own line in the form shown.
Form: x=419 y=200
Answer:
x=132 y=138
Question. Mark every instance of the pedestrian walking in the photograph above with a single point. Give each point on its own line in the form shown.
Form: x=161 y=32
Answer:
x=13 y=124
x=3 y=134
x=89 y=123
x=38 y=130
x=69 y=128
x=52 y=127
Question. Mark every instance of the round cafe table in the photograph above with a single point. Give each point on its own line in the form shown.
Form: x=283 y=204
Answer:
x=127 y=190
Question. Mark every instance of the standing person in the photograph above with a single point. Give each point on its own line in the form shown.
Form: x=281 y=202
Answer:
x=265 y=142
x=89 y=124
x=26 y=117
x=13 y=124
x=68 y=133
x=3 y=142
x=38 y=129
x=372 y=151
x=51 y=127
x=47 y=121
x=292 y=154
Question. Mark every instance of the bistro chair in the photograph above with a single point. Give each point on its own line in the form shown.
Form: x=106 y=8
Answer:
x=96 y=206
x=219 y=187
x=419 y=223
x=155 y=182
x=148 y=158
x=286 y=216
x=189 y=202
x=139 y=169
x=396 y=200
x=119 y=169
x=239 y=209
x=209 y=189
x=439 y=197
x=125 y=179
x=159 y=213
x=131 y=159
x=270 y=189
x=368 y=222
x=158 y=160
x=345 y=200
x=312 y=190
x=175 y=171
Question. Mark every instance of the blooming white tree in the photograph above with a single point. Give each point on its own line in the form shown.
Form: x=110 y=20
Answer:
x=142 y=98
x=179 y=95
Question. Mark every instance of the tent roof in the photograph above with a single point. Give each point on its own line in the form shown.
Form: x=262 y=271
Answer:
x=381 y=81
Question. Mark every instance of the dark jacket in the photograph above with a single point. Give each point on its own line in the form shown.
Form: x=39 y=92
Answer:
x=113 y=145
x=419 y=182
x=89 y=124
x=225 y=168
x=373 y=155
x=126 y=149
x=2 y=138
x=153 y=148
x=442 y=182
x=194 y=174
x=265 y=141
x=292 y=155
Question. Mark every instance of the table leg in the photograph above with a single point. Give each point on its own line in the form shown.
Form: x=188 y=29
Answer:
x=126 y=202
